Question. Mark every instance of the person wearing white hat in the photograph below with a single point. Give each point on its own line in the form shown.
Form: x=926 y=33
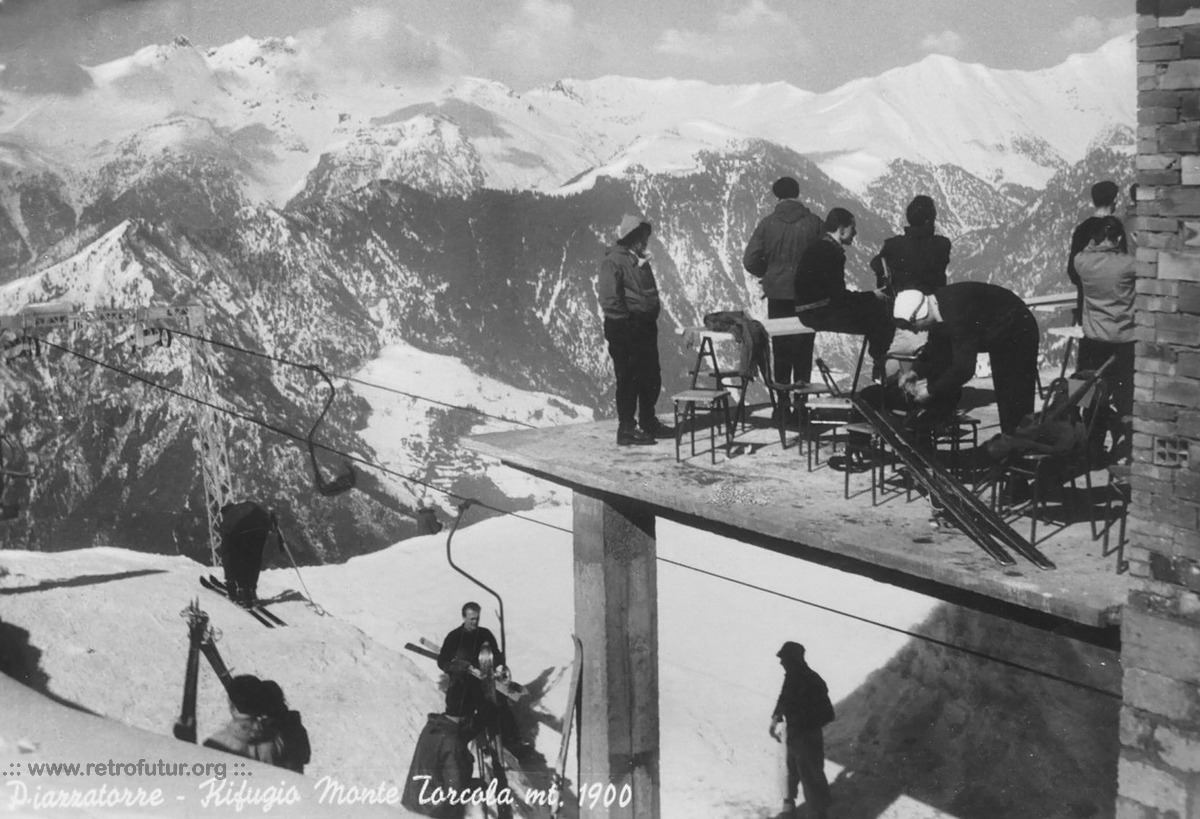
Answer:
x=630 y=303
x=963 y=320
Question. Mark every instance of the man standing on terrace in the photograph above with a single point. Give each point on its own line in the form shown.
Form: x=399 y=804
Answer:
x=629 y=301
x=1104 y=199
x=772 y=256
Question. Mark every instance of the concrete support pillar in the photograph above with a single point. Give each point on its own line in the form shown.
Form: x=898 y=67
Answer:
x=616 y=618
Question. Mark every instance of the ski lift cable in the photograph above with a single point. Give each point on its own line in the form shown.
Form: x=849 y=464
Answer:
x=365 y=462
x=352 y=379
x=450 y=559
x=297 y=437
x=935 y=641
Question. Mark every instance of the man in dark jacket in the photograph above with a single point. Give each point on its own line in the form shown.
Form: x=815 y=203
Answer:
x=460 y=653
x=804 y=705
x=1104 y=199
x=918 y=259
x=245 y=529
x=772 y=255
x=629 y=301
x=963 y=320
x=824 y=303
x=441 y=764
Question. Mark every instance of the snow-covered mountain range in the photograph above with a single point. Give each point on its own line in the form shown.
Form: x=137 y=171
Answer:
x=326 y=219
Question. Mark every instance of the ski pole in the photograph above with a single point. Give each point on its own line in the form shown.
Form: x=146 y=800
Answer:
x=312 y=604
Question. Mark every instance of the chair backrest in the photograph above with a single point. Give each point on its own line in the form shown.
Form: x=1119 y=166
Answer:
x=1092 y=401
x=827 y=377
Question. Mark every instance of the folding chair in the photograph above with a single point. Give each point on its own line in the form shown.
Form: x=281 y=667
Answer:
x=1038 y=467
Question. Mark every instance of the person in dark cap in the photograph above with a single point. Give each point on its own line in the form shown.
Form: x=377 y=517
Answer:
x=772 y=256
x=804 y=706
x=918 y=259
x=630 y=304
x=1104 y=200
x=252 y=731
x=440 y=760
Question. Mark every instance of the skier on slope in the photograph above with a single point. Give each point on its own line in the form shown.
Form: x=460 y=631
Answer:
x=246 y=528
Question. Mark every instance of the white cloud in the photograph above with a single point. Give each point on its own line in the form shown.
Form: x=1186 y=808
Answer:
x=1086 y=31
x=755 y=31
x=377 y=43
x=946 y=42
x=543 y=36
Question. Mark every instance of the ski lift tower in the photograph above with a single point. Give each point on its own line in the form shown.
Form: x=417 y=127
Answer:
x=150 y=326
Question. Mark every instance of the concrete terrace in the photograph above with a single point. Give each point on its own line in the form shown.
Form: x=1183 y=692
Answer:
x=765 y=496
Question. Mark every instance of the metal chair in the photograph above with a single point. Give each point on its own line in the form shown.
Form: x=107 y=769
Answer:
x=1037 y=467
x=710 y=400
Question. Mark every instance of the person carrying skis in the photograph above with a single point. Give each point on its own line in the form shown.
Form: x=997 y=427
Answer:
x=772 y=256
x=252 y=732
x=458 y=657
x=804 y=705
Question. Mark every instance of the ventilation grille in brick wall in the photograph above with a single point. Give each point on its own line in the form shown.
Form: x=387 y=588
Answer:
x=1171 y=452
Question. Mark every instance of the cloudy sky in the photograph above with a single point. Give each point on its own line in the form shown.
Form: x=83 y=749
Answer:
x=813 y=44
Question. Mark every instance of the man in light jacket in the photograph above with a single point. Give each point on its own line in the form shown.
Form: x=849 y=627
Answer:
x=629 y=301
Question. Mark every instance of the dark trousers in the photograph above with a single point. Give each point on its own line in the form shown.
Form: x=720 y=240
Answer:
x=793 y=354
x=244 y=530
x=806 y=768
x=633 y=346
x=861 y=314
x=1014 y=369
x=465 y=695
x=1119 y=380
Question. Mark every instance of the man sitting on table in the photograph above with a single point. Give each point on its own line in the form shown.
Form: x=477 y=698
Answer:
x=824 y=303
x=963 y=320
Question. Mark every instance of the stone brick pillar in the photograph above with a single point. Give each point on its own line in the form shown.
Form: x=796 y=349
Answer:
x=1159 y=772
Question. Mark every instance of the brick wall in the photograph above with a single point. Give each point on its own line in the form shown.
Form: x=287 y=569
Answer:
x=1160 y=721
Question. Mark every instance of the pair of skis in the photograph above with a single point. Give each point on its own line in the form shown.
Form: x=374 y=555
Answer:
x=200 y=641
x=428 y=648
x=258 y=611
x=968 y=512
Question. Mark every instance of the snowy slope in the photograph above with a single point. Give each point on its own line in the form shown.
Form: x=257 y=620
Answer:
x=363 y=697
x=99 y=628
